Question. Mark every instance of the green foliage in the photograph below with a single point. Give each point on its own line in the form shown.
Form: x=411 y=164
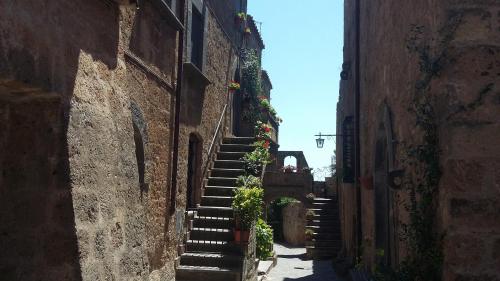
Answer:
x=248 y=182
x=247 y=204
x=255 y=160
x=275 y=215
x=251 y=73
x=264 y=237
x=425 y=258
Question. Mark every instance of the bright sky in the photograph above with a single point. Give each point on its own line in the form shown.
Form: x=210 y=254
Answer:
x=303 y=55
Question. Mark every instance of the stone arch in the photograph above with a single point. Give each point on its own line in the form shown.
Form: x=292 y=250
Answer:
x=385 y=230
x=299 y=155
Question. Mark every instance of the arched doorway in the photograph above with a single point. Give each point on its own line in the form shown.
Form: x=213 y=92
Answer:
x=385 y=226
x=194 y=169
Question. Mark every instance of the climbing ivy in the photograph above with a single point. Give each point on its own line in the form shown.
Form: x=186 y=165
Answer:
x=425 y=257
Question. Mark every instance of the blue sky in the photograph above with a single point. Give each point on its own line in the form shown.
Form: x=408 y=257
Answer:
x=303 y=56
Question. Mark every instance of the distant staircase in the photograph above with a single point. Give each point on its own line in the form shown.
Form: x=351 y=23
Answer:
x=326 y=240
x=210 y=252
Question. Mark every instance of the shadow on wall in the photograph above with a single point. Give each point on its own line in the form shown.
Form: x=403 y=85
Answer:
x=38 y=239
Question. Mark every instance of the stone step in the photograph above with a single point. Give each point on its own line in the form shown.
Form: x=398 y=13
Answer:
x=323 y=200
x=239 y=140
x=212 y=211
x=219 y=190
x=324 y=243
x=217 y=222
x=321 y=252
x=323 y=223
x=212 y=273
x=217 y=201
x=236 y=147
x=320 y=211
x=333 y=217
x=226 y=173
x=212 y=259
x=327 y=236
x=213 y=246
x=230 y=155
x=324 y=228
x=229 y=164
x=212 y=234
x=222 y=181
x=321 y=205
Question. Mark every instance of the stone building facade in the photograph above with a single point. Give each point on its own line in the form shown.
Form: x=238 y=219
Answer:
x=425 y=75
x=108 y=109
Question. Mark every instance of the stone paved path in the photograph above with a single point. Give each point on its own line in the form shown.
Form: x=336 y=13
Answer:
x=292 y=266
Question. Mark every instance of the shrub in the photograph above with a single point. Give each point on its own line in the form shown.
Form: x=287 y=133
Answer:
x=248 y=182
x=247 y=204
x=264 y=237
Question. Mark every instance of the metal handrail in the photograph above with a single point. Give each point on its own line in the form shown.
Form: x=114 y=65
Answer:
x=212 y=144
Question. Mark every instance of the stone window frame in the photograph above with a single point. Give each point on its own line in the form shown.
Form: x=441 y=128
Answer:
x=200 y=5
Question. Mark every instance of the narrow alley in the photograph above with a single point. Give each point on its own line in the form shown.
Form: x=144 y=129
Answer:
x=293 y=265
x=249 y=140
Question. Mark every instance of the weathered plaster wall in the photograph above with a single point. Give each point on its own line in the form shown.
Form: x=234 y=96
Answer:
x=76 y=51
x=294 y=223
x=466 y=102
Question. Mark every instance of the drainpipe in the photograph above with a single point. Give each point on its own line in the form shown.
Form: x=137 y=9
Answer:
x=357 y=129
x=178 y=93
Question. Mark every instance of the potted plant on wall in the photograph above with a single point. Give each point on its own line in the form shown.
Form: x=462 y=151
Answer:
x=247 y=31
x=240 y=18
x=289 y=169
x=234 y=86
x=247 y=204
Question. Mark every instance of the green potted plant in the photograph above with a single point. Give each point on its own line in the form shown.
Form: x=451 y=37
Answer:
x=309 y=234
x=234 y=86
x=247 y=31
x=247 y=204
x=240 y=18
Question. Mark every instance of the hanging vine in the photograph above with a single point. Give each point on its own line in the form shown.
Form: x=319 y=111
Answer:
x=424 y=242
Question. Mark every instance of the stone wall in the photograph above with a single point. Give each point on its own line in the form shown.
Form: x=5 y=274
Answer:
x=294 y=223
x=101 y=70
x=465 y=97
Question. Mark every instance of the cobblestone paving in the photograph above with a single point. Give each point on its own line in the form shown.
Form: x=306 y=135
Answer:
x=292 y=265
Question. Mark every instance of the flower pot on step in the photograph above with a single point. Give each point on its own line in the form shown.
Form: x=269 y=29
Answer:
x=237 y=235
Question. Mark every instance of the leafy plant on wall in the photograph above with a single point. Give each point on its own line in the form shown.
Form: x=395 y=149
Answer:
x=425 y=258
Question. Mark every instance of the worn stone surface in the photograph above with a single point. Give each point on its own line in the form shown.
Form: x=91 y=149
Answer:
x=77 y=209
x=294 y=223
x=465 y=96
x=291 y=265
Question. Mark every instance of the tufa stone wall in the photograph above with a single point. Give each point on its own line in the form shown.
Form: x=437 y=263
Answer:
x=75 y=203
x=294 y=223
x=465 y=95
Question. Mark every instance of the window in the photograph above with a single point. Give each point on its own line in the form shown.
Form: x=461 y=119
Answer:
x=197 y=32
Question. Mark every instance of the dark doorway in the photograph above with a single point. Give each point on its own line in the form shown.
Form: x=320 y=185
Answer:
x=385 y=227
x=193 y=178
x=237 y=104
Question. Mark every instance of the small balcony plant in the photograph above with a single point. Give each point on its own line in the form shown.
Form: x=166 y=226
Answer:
x=240 y=18
x=234 y=86
x=247 y=31
x=289 y=169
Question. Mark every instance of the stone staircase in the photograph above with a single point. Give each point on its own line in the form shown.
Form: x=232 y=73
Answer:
x=210 y=252
x=326 y=240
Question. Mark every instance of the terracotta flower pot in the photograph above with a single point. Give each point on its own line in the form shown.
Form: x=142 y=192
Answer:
x=366 y=182
x=237 y=235
x=245 y=235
